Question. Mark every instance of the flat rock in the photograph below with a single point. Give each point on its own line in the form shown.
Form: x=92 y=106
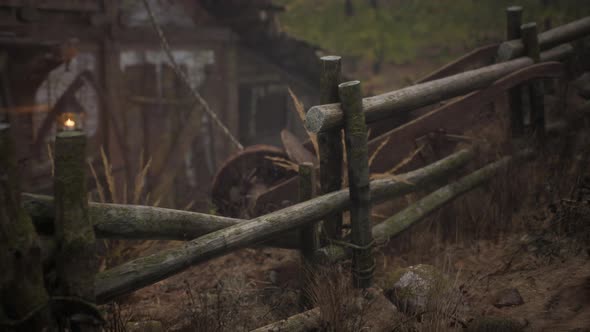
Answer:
x=507 y=298
x=412 y=288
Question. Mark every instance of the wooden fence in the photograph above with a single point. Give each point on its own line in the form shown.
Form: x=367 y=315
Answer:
x=71 y=223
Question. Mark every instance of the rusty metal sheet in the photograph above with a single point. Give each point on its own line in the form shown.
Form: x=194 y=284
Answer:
x=479 y=57
x=454 y=117
x=296 y=151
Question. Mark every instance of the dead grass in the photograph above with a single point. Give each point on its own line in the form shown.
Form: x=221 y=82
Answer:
x=118 y=251
x=116 y=318
x=341 y=308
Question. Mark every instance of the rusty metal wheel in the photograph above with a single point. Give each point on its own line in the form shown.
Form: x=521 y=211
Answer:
x=243 y=177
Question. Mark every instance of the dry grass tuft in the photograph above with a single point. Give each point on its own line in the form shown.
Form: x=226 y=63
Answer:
x=140 y=178
x=117 y=251
x=99 y=187
x=116 y=318
x=341 y=308
x=108 y=172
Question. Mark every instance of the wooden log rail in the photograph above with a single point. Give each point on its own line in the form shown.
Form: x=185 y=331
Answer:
x=144 y=271
x=325 y=117
x=550 y=38
x=134 y=222
x=403 y=220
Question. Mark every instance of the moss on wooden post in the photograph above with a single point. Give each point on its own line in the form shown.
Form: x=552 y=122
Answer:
x=355 y=133
x=530 y=41
x=309 y=234
x=76 y=259
x=515 y=95
x=330 y=142
x=23 y=297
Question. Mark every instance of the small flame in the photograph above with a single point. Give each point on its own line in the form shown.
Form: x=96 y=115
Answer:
x=70 y=123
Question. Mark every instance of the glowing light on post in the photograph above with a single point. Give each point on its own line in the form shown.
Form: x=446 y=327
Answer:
x=69 y=121
x=70 y=124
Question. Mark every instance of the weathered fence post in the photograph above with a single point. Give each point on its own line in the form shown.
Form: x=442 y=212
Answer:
x=330 y=143
x=536 y=92
x=309 y=234
x=76 y=258
x=355 y=133
x=23 y=297
x=515 y=95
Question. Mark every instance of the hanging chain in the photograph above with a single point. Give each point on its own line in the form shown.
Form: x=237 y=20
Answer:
x=185 y=80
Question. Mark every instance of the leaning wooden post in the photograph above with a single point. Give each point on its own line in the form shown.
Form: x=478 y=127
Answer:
x=76 y=258
x=330 y=143
x=513 y=23
x=355 y=133
x=310 y=241
x=530 y=41
x=23 y=297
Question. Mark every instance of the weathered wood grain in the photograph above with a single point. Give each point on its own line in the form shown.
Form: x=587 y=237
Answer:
x=327 y=117
x=147 y=270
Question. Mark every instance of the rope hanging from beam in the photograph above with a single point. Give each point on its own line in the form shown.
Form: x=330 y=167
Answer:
x=185 y=80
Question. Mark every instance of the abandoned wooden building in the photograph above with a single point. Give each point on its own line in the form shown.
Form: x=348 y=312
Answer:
x=103 y=62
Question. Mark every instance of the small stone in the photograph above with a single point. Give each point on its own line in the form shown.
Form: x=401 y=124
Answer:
x=411 y=289
x=145 y=326
x=273 y=276
x=507 y=298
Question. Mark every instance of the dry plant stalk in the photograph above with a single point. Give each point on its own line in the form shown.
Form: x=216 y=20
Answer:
x=140 y=178
x=99 y=187
x=108 y=172
x=301 y=112
x=391 y=173
x=51 y=160
x=116 y=249
x=376 y=152
x=284 y=163
x=340 y=308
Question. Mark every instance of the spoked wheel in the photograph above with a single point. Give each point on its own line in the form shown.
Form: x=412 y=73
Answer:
x=243 y=177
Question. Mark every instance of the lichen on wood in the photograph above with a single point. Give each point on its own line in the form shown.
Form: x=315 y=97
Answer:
x=355 y=133
x=330 y=143
x=327 y=117
x=135 y=222
x=536 y=92
x=310 y=241
x=76 y=261
x=515 y=95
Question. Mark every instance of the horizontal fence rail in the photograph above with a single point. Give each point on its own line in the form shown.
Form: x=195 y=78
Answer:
x=550 y=38
x=395 y=225
x=325 y=117
x=145 y=271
